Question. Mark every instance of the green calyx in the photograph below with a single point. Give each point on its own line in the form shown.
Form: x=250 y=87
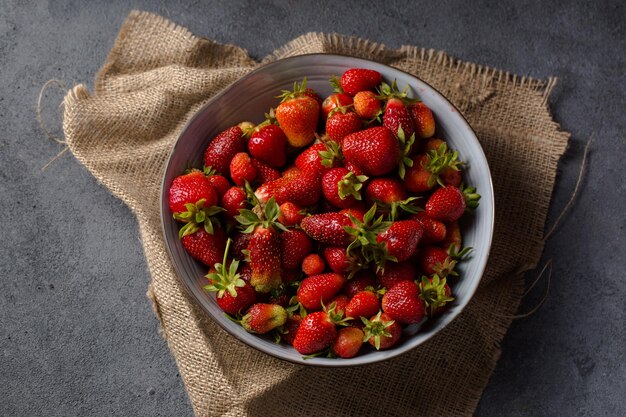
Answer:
x=440 y=159
x=332 y=154
x=266 y=217
x=335 y=82
x=351 y=185
x=433 y=292
x=405 y=206
x=340 y=109
x=405 y=147
x=365 y=244
x=336 y=317
x=376 y=328
x=298 y=89
x=196 y=215
x=446 y=268
x=471 y=198
x=225 y=278
x=386 y=92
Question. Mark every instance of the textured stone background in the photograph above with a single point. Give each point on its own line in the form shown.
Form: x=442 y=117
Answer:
x=77 y=336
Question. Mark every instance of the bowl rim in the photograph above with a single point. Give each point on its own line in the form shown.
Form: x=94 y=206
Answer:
x=393 y=353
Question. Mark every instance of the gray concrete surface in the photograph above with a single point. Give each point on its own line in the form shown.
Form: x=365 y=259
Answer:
x=77 y=336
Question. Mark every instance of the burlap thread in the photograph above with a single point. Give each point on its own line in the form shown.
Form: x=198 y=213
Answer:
x=158 y=74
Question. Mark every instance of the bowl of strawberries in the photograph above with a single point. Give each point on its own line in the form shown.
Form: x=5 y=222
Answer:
x=325 y=210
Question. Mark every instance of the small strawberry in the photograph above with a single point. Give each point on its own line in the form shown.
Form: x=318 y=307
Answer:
x=241 y=169
x=317 y=289
x=453 y=237
x=434 y=231
x=290 y=329
x=341 y=187
x=432 y=144
x=333 y=101
x=435 y=293
x=313 y=264
x=317 y=331
x=396 y=116
x=340 y=262
x=290 y=214
x=189 y=189
x=375 y=150
x=401 y=239
x=360 y=282
x=328 y=228
x=234 y=200
x=268 y=144
x=219 y=183
x=385 y=190
x=357 y=211
x=341 y=302
x=298 y=115
x=205 y=247
x=436 y=260
x=263 y=318
x=402 y=303
x=448 y=204
x=223 y=148
x=265 y=173
x=382 y=331
x=367 y=105
x=426 y=169
x=295 y=245
x=341 y=123
x=348 y=343
x=423 y=120
x=240 y=244
x=363 y=304
x=395 y=272
x=451 y=176
x=359 y=79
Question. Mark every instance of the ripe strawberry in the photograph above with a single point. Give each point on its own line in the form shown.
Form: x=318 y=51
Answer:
x=448 y=204
x=220 y=184
x=367 y=105
x=328 y=228
x=340 y=302
x=432 y=144
x=265 y=259
x=395 y=272
x=240 y=243
x=360 y=282
x=348 y=343
x=205 y=247
x=290 y=329
x=385 y=190
x=436 y=294
x=310 y=158
x=290 y=214
x=265 y=173
x=233 y=304
x=337 y=259
x=295 y=245
x=341 y=123
x=317 y=331
x=189 y=189
x=363 y=304
x=434 y=231
x=359 y=79
x=298 y=115
x=234 y=200
x=341 y=187
x=382 y=331
x=357 y=211
x=401 y=239
x=303 y=190
x=352 y=167
x=436 y=260
x=423 y=120
x=453 y=237
x=313 y=264
x=451 y=176
x=318 y=289
x=268 y=144
x=418 y=178
x=263 y=318
x=223 y=148
x=333 y=101
x=397 y=116
x=375 y=150
x=241 y=169
x=402 y=303
x=427 y=169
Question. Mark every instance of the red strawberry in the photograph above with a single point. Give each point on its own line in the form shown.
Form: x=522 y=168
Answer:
x=233 y=304
x=436 y=294
x=333 y=101
x=298 y=115
x=418 y=178
x=402 y=303
x=268 y=144
x=427 y=169
x=310 y=158
x=367 y=105
x=263 y=318
x=295 y=245
x=318 y=289
x=433 y=144
x=434 y=231
x=341 y=187
x=397 y=116
x=352 y=167
x=265 y=173
x=423 y=120
x=317 y=331
x=328 y=228
x=436 y=260
x=304 y=190
x=453 y=236
x=265 y=259
x=223 y=148
x=340 y=302
x=396 y=272
x=401 y=239
x=311 y=93
x=337 y=259
x=241 y=169
x=360 y=282
x=451 y=176
x=363 y=304
x=240 y=243
x=375 y=150
x=220 y=184
x=288 y=276
x=207 y=248
x=356 y=211
x=341 y=123
x=359 y=79
x=448 y=204
x=382 y=331
x=291 y=329
x=233 y=200
x=385 y=190
x=313 y=264
x=290 y=214
x=348 y=343
x=189 y=189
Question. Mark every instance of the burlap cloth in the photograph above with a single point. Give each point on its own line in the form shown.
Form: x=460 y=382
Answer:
x=158 y=74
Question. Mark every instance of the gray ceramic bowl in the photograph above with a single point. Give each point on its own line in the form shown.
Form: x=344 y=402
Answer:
x=248 y=99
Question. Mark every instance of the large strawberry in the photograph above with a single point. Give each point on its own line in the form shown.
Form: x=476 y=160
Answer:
x=341 y=187
x=263 y=318
x=189 y=189
x=205 y=247
x=317 y=331
x=328 y=228
x=268 y=144
x=295 y=245
x=403 y=303
x=382 y=331
x=401 y=239
x=359 y=79
x=318 y=289
x=298 y=115
x=375 y=150
x=223 y=148
x=448 y=204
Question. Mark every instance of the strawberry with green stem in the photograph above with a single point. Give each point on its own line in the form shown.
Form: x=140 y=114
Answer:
x=356 y=79
x=436 y=260
x=381 y=331
x=447 y=204
x=426 y=169
x=318 y=331
x=298 y=115
x=364 y=234
x=333 y=101
x=341 y=187
x=263 y=318
x=435 y=293
x=342 y=122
